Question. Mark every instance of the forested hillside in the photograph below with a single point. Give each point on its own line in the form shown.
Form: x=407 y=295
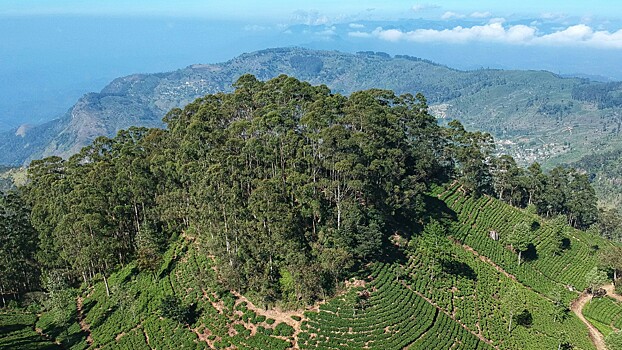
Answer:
x=535 y=115
x=605 y=172
x=285 y=215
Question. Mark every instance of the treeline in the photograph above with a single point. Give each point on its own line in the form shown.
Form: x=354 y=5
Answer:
x=604 y=95
x=605 y=169
x=563 y=191
x=284 y=184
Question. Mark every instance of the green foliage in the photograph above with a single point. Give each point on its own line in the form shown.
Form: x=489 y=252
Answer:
x=19 y=272
x=606 y=311
x=614 y=340
x=596 y=278
x=567 y=269
x=277 y=191
x=17 y=332
x=519 y=238
x=611 y=259
x=284 y=330
x=171 y=307
x=291 y=183
x=394 y=317
x=524 y=318
x=60 y=321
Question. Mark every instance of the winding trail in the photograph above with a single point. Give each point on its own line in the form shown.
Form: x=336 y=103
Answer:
x=83 y=325
x=577 y=305
x=577 y=309
x=611 y=292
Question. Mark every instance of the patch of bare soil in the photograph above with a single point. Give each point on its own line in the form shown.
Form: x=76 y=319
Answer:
x=611 y=292
x=83 y=325
x=595 y=335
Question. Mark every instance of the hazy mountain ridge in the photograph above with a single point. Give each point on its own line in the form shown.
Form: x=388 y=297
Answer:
x=532 y=112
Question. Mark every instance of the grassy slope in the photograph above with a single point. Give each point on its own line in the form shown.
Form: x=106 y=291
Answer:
x=17 y=332
x=466 y=306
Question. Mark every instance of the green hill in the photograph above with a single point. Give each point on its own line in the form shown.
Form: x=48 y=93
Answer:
x=467 y=305
x=534 y=115
x=283 y=215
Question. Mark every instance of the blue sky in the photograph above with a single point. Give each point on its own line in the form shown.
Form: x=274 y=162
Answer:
x=278 y=9
x=54 y=51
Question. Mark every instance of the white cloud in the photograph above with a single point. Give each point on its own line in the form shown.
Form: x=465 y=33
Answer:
x=480 y=15
x=496 y=32
x=309 y=17
x=356 y=25
x=390 y=34
x=450 y=15
x=358 y=34
x=328 y=31
x=423 y=7
x=520 y=34
x=583 y=35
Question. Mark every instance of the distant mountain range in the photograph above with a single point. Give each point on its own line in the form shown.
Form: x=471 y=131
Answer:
x=534 y=115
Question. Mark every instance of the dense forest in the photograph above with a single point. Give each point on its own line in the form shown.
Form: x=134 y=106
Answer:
x=287 y=186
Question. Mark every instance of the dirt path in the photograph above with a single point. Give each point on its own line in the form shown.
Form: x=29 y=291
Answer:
x=83 y=325
x=612 y=293
x=45 y=336
x=577 y=309
x=277 y=315
x=488 y=261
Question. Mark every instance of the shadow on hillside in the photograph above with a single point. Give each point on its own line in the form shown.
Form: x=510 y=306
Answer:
x=531 y=253
x=459 y=269
x=438 y=210
x=105 y=316
x=88 y=305
x=12 y=328
x=33 y=342
x=565 y=244
x=393 y=254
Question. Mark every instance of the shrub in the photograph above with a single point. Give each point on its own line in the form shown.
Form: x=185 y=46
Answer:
x=524 y=318
x=284 y=330
x=171 y=307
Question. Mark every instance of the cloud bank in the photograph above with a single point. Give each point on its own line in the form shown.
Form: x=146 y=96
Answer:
x=424 y=7
x=496 y=32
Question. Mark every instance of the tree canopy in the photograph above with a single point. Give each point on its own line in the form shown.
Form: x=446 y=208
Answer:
x=286 y=185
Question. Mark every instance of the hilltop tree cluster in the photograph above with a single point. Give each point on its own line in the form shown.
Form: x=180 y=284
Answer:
x=563 y=191
x=284 y=184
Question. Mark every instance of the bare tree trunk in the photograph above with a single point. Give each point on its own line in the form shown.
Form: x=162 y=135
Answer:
x=338 y=216
x=106 y=283
x=511 y=317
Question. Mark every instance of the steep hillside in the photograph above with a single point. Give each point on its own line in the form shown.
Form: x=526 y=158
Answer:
x=605 y=169
x=534 y=115
x=282 y=215
x=464 y=300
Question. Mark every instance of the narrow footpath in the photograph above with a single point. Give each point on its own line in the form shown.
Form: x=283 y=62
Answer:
x=83 y=325
x=576 y=306
x=577 y=309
